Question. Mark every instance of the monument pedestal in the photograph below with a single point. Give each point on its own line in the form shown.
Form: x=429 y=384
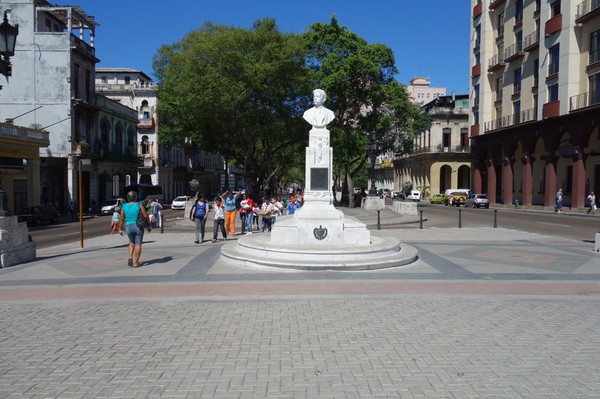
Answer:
x=15 y=247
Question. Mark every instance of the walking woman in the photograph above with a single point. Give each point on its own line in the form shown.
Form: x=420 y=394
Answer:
x=198 y=214
x=129 y=215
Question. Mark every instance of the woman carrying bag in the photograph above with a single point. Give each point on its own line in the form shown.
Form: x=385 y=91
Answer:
x=129 y=217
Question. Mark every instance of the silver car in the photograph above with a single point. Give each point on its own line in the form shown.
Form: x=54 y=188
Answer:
x=478 y=201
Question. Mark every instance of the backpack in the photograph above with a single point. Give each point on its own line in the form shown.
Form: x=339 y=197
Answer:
x=200 y=209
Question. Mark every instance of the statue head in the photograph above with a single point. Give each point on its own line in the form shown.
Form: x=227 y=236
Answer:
x=319 y=97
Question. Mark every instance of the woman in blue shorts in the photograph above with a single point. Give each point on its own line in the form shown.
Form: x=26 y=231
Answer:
x=129 y=214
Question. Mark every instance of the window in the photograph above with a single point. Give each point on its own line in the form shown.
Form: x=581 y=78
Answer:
x=104 y=79
x=477 y=58
x=517 y=81
x=477 y=36
x=553 y=92
x=595 y=47
x=476 y=96
x=519 y=41
x=595 y=89
x=517 y=111
x=554 y=58
x=518 y=11
x=555 y=9
x=500 y=22
x=446 y=138
x=48 y=25
x=464 y=138
x=536 y=72
x=499 y=84
x=127 y=80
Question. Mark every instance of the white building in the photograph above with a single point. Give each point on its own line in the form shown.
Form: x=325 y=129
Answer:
x=420 y=91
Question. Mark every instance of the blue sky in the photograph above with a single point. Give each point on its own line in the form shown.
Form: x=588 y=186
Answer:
x=429 y=39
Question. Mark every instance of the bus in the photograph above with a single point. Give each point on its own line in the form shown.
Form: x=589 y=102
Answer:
x=145 y=192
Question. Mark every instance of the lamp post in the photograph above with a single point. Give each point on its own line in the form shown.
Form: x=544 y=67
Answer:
x=8 y=40
x=373 y=148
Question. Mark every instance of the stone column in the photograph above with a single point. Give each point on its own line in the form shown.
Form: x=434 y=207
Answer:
x=578 y=194
x=319 y=168
x=527 y=181
x=477 y=180
x=550 y=176
x=507 y=181
x=33 y=182
x=491 y=183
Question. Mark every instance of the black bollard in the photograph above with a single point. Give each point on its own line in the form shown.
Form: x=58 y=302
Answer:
x=460 y=218
x=421 y=221
x=162 y=223
x=495 y=218
x=378 y=220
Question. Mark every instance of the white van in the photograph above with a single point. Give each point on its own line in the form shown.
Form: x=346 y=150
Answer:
x=459 y=190
x=414 y=195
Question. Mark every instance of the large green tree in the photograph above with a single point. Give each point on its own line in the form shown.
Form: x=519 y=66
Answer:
x=359 y=79
x=247 y=87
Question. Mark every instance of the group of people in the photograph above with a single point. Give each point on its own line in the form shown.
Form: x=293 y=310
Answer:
x=228 y=205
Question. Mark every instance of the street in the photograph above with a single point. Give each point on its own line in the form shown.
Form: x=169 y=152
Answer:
x=580 y=227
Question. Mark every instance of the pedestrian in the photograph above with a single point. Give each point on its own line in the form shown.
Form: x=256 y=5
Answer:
x=129 y=215
x=244 y=211
x=229 y=201
x=115 y=222
x=199 y=214
x=255 y=210
x=592 y=203
x=266 y=211
x=292 y=205
x=249 y=214
x=559 y=200
x=219 y=219
x=278 y=206
x=155 y=208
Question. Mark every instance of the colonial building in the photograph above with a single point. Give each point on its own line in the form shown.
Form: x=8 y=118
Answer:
x=441 y=157
x=52 y=90
x=535 y=97
x=172 y=167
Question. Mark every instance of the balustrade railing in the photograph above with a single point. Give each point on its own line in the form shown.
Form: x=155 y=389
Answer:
x=584 y=100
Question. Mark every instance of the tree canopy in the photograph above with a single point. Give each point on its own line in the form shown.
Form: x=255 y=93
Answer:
x=249 y=87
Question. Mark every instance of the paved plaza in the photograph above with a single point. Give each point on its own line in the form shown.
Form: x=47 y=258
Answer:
x=512 y=316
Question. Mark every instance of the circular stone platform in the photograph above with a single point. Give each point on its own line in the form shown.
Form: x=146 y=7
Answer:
x=258 y=250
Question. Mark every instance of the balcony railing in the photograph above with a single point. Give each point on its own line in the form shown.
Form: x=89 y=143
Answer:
x=441 y=148
x=9 y=130
x=584 y=100
x=511 y=120
x=551 y=109
x=477 y=10
x=498 y=95
x=586 y=10
x=476 y=70
x=553 y=69
x=496 y=4
x=496 y=61
x=553 y=25
x=513 y=51
x=531 y=40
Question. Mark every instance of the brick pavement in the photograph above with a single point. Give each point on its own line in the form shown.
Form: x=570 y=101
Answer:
x=515 y=317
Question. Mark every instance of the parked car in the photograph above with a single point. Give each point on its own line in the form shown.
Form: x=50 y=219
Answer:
x=456 y=198
x=478 y=200
x=399 y=195
x=108 y=207
x=414 y=195
x=35 y=215
x=438 y=198
x=179 y=202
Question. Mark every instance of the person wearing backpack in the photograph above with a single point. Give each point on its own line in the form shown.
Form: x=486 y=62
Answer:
x=198 y=214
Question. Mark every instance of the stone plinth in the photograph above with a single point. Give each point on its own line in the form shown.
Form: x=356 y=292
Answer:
x=373 y=203
x=15 y=247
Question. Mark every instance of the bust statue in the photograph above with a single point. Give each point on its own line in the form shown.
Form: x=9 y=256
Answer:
x=319 y=116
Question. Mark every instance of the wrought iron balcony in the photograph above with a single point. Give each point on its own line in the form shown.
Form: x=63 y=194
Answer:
x=531 y=41
x=584 y=100
x=496 y=62
x=587 y=10
x=513 y=52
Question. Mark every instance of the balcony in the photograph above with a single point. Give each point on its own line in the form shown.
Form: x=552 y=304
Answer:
x=531 y=41
x=511 y=120
x=551 y=109
x=587 y=10
x=553 y=25
x=496 y=62
x=513 y=52
x=496 y=3
x=476 y=71
x=584 y=100
x=474 y=130
x=477 y=10
x=147 y=123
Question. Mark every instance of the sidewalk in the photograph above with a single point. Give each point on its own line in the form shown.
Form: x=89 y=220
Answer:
x=514 y=315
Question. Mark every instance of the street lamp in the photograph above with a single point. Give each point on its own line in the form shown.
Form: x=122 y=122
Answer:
x=8 y=40
x=373 y=148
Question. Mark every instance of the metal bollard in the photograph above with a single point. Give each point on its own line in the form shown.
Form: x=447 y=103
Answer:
x=378 y=220
x=162 y=223
x=460 y=218
x=421 y=221
x=495 y=218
